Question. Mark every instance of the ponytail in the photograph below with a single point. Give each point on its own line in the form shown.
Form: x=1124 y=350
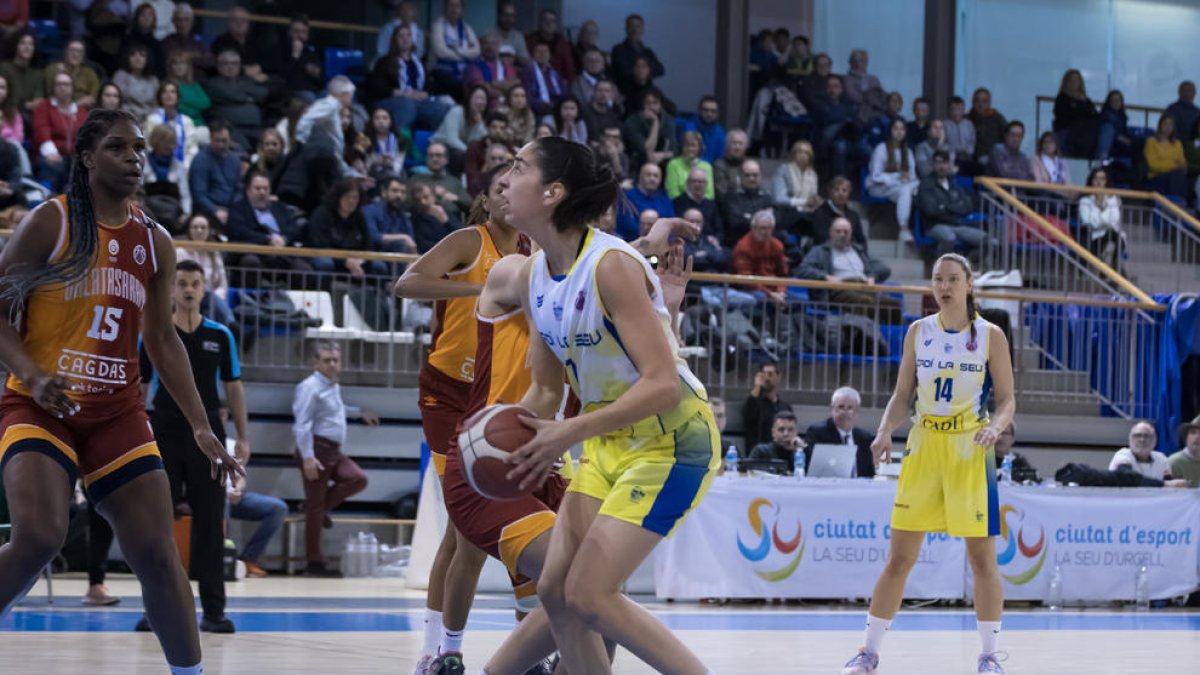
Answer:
x=971 y=315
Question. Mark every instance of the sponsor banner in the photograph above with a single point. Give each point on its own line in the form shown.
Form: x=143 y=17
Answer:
x=778 y=538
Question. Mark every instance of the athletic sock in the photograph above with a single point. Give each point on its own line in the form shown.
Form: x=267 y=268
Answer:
x=433 y=631
x=989 y=635
x=452 y=640
x=876 y=627
x=197 y=669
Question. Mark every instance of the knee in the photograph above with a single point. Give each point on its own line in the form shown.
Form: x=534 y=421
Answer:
x=358 y=483
x=278 y=512
x=36 y=546
x=900 y=564
x=583 y=600
x=153 y=561
x=551 y=591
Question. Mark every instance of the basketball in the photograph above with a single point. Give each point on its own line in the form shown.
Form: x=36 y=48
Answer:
x=487 y=438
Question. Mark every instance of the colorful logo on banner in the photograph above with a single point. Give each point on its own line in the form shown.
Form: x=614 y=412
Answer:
x=1008 y=559
x=768 y=540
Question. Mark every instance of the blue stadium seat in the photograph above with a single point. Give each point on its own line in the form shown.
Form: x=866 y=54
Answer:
x=865 y=197
x=49 y=40
x=348 y=62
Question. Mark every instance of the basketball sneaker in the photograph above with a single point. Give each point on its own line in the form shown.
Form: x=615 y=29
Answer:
x=864 y=662
x=448 y=663
x=423 y=665
x=990 y=663
x=545 y=667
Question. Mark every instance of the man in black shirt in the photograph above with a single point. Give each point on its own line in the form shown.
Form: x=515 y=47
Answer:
x=761 y=406
x=213 y=355
x=783 y=444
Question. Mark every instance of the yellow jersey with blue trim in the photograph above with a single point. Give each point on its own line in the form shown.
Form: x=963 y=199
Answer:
x=953 y=383
x=572 y=321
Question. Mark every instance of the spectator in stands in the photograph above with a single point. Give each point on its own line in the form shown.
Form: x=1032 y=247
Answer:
x=339 y=224
x=464 y=124
x=320 y=433
x=269 y=158
x=840 y=260
x=164 y=10
x=707 y=253
x=760 y=253
x=935 y=139
x=269 y=512
x=641 y=85
x=592 y=70
x=839 y=429
x=1100 y=217
x=22 y=68
x=708 y=125
x=236 y=99
x=1140 y=456
x=495 y=70
x=812 y=88
x=1184 y=112
x=447 y=188
x=12 y=125
x=138 y=84
x=168 y=113
x=689 y=159
x=260 y=219
x=1022 y=470
x=990 y=126
x=1048 y=166
x=399 y=85
x=601 y=112
x=796 y=187
x=12 y=172
x=647 y=194
x=1006 y=159
x=387 y=218
x=477 y=150
x=521 y=121
x=783 y=444
x=454 y=45
x=301 y=63
x=650 y=133
x=506 y=31
x=893 y=174
x=186 y=40
x=237 y=38
x=960 y=136
x=587 y=38
x=431 y=221
x=1113 y=113
x=193 y=100
x=646 y=220
x=567 y=122
x=1166 y=167
x=626 y=54
x=141 y=34
x=1185 y=464
x=56 y=123
x=87 y=82
x=727 y=171
x=739 y=208
x=388 y=150
x=838 y=206
x=544 y=84
x=720 y=416
x=800 y=60
x=1077 y=124
x=611 y=147
x=762 y=405
x=697 y=195
x=943 y=205
x=110 y=97
x=406 y=15
x=321 y=134
x=561 y=59
x=862 y=88
x=879 y=127
x=165 y=176
x=838 y=130
x=918 y=128
x=215 y=303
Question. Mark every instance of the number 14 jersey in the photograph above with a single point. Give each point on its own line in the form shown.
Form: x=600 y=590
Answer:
x=87 y=330
x=952 y=372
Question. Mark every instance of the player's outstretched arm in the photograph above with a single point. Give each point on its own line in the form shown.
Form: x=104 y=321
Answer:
x=1000 y=368
x=425 y=278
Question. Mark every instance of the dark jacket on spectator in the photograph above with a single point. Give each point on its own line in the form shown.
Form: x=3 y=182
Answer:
x=637 y=129
x=427 y=231
x=236 y=100
x=1068 y=111
x=818 y=264
x=827 y=432
x=989 y=131
x=327 y=229
x=243 y=225
x=758 y=414
x=1186 y=116
x=941 y=206
x=770 y=450
x=295 y=71
x=714 y=226
x=825 y=214
x=215 y=180
x=624 y=55
x=597 y=122
x=737 y=208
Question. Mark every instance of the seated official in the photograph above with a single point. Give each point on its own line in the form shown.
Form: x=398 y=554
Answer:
x=784 y=442
x=839 y=429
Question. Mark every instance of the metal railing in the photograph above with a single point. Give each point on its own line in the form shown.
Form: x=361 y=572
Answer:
x=1130 y=109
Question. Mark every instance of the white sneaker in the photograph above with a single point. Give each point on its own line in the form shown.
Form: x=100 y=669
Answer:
x=863 y=663
x=423 y=664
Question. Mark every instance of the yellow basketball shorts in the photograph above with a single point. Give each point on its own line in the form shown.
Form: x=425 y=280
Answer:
x=947 y=484
x=651 y=481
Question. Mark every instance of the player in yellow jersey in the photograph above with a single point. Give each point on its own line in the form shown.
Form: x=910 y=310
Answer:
x=953 y=361
x=82 y=275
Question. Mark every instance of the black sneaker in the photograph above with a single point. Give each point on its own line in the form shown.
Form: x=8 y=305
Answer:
x=143 y=625
x=545 y=667
x=448 y=663
x=219 y=624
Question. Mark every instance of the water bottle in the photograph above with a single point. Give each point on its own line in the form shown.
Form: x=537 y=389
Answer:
x=346 y=564
x=799 y=463
x=1006 y=469
x=372 y=555
x=1054 y=594
x=1141 y=590
x=731 y=461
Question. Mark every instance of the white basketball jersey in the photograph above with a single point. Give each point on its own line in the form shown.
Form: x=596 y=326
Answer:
x=573 y=323
x=952 y=372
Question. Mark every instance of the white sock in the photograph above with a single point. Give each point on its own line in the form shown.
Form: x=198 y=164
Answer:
x=197 y=669
x=989 y=635
x=876 y=627
x=451 y=641
x=433 y=631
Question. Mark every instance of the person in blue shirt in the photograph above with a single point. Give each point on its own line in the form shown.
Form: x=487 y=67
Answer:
x=388 y=224
x=215 y=177
x=647 y=194
x=709 y=128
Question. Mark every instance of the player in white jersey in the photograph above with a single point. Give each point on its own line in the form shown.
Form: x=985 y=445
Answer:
x=650 y=444
x=953 y=361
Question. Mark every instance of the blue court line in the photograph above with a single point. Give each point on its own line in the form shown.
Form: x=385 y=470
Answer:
x=253 y=603
x=366 y=621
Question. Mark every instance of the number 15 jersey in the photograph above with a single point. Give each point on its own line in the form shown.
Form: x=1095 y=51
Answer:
x=952 y=372
x=86 y=330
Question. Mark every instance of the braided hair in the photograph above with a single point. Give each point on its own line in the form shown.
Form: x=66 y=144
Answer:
x=966 y=266
x=83 y=232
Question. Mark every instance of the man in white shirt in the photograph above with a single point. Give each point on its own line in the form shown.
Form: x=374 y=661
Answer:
x=320 y=432
x=1140 y=456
